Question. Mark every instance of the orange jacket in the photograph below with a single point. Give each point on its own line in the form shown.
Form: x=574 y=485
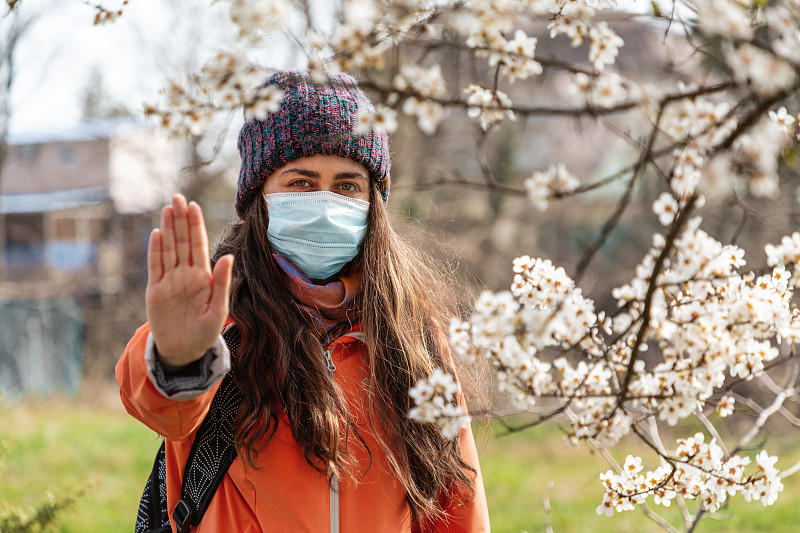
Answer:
x=285 y=494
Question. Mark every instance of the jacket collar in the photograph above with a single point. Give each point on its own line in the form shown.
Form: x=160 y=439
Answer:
x=353 y=334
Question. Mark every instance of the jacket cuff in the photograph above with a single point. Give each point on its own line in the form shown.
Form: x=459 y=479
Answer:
x=194 y=379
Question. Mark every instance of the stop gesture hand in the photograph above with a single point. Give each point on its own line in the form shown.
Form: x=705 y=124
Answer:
x=187 y=302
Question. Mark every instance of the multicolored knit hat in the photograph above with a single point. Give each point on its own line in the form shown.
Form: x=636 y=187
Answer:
x=312 y=119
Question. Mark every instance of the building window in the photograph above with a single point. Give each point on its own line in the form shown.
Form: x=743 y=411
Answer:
x=24 y=243
x=66 y=156
x=64 y=229
x=27 y=152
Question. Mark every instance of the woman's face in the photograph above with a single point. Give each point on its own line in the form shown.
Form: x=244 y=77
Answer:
x=321 y=173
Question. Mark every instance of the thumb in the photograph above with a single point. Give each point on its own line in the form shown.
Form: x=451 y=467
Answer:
x=221 y=283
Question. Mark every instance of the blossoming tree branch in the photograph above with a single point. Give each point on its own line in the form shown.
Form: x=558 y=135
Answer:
x=692 y=324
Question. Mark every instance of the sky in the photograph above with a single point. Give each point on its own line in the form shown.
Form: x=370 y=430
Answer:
x=134 y=55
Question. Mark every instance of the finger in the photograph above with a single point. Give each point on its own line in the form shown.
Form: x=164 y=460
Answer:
x=167 y=239
x=221 y=284
x=154 y=267
x=198 y=236
x=182 y=244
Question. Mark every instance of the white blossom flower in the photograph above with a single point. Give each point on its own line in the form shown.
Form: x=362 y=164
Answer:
x=787 y=46
x=492 y=107
x=435 y=403
x=266 y=100
x=572 y=21
x=608 y=90
x=605 y=45
x=700 y=473
x=726 y=18
x=197 y=121
x=429 y=114
x=543 y=185
x=760 y=148
x=765 y=72
x=426 y=81
x=521 y=45
x=725 y=405
x=606 y=507
x=717 y=176
x=786 y=253
x=665 y=208
x=518 y=63
x=782 y=19
x=685 y=179
x=783 y=119
x=383 y=119
x=228 y=71
x=581 y=85
x=452 y=420
x=253 y=15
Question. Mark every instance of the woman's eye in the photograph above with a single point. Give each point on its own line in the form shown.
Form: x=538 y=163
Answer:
x=350 y=187
x=300 y=183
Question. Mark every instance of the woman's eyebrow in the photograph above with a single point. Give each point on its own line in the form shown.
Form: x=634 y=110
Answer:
x=302 y=171
x=350 y=176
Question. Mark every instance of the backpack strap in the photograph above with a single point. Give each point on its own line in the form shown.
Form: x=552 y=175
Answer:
x=212 y=451
x=153 y=516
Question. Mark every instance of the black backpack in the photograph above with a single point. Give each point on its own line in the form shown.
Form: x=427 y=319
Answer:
x=211 y=455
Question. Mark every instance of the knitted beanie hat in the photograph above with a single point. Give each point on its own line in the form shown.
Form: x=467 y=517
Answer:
x=312 y=119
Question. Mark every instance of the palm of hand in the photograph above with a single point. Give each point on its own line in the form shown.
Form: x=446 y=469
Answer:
x=187 y=302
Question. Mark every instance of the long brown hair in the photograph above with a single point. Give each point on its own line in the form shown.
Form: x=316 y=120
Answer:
x=404 y=306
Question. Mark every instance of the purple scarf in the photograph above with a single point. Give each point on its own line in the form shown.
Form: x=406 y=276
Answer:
x=329 y=308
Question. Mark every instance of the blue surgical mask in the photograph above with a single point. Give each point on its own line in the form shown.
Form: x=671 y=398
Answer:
x=319 y=232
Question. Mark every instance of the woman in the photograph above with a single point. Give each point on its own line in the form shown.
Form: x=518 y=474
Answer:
x=338 y=318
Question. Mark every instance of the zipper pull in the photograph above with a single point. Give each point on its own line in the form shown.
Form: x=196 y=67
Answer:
x=326 y=357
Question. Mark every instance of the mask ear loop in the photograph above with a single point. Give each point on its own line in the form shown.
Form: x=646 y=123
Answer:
x=357 y=263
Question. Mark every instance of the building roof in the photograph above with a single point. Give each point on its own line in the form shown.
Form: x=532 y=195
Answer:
x=51 y=201
x=85 y=131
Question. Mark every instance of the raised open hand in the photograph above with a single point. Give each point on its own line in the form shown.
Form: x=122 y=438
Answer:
x=187 y=302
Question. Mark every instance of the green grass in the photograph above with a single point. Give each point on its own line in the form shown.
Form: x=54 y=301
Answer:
x=57 y=445
x=60 y=445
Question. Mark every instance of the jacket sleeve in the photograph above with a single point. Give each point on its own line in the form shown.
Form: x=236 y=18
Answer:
x=174 y=416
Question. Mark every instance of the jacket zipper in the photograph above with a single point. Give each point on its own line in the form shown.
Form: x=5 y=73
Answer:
x=327 y=359
x=334 y=504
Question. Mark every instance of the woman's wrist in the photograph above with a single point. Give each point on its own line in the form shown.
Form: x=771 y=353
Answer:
x=170 y=366
x=187 y=381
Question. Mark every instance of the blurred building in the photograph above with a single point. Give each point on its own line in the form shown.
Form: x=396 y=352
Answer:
x=76 y=207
